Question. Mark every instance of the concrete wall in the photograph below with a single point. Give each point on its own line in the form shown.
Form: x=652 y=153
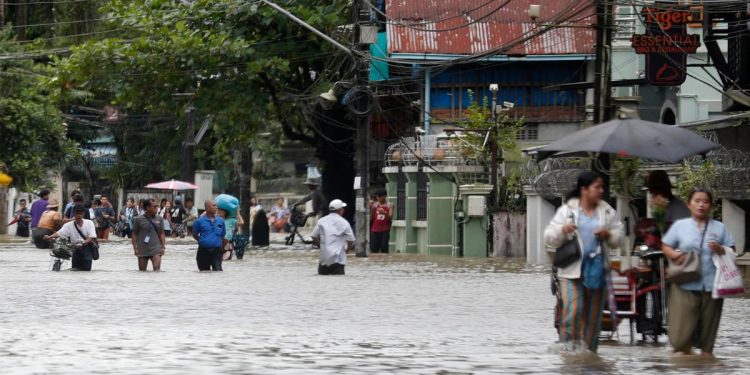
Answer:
x=539 y=212
x=734 y=217
x=549 y=132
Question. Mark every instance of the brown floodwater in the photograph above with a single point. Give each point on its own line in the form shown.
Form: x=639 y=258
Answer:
x=271 y=313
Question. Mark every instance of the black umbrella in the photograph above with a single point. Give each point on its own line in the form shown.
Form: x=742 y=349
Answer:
x=630 y=137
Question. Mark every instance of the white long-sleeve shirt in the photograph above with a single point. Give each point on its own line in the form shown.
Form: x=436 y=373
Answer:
x=334 y=233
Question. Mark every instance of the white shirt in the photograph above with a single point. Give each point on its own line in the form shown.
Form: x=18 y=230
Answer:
x=69 y=231
x=334 y=233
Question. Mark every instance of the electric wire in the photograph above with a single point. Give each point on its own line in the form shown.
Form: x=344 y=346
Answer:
x=411 y=26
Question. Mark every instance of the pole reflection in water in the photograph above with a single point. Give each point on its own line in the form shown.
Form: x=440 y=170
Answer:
x=271 y=313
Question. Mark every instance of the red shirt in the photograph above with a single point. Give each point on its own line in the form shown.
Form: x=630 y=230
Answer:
x=380 y=217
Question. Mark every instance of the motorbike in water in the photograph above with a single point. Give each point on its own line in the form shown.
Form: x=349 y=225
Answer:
x=651 y=293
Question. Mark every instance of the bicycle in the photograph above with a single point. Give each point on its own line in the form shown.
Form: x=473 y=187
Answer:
x=62 y=250
x=298 y=219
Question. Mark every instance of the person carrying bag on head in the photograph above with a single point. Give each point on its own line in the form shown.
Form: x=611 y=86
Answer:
x=690 y=245
x=581 y=229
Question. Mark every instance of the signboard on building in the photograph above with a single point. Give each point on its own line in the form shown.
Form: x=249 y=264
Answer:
x=666 y=42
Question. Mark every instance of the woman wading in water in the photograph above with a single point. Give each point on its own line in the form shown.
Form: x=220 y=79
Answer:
x=592 y=222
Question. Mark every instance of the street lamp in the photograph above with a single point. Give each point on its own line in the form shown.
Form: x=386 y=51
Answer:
x=494 y=89
x=329 y=97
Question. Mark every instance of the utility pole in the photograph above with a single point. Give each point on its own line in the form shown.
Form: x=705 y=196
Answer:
x=493 y=198
x=187 y=172
x=362 y=213
x=603 y=78
x=362 y=80
x=21 y=20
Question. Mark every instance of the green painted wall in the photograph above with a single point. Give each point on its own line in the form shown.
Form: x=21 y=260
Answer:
x=421 y=239
x=475 y=237
x=440 y=223
x=391 y=188
x=475 y=230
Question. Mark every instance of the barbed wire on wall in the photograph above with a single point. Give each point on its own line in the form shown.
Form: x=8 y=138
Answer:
x=553 y=178
x=732 y=174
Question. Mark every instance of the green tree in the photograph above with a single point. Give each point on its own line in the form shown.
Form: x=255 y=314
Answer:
x=248 y=65
x=478 y=116
x=33 y=134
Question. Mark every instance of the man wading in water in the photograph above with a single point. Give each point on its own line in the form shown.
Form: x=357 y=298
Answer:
x=209 y=231
x=148 y=237
x=335 y=236
x=82 y=234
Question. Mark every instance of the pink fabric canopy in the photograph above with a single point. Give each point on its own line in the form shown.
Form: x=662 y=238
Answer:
x=172 y=185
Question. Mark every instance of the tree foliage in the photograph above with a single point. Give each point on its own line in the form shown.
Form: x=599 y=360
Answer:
x=705 y=176
x=479 y=116
x=243 y=61
x=34 y=137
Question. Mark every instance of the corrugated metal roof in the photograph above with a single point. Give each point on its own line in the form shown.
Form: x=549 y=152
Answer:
x=470 y=27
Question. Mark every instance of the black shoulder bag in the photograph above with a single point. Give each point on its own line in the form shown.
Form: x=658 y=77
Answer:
x=94 y=245
x=568 y=253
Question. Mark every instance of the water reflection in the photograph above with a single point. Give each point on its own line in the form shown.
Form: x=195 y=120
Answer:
x=271 y=313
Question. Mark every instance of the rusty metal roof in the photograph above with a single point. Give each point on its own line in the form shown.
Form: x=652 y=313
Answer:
x=470 y=27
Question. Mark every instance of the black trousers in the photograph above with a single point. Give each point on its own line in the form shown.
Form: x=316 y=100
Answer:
x=209 y=259
x=333 y=269
x=37 y=235
x=379 y=242
x=82 y=258
x=22 y=232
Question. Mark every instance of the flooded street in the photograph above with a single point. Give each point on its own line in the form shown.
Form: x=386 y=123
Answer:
x=271 y=313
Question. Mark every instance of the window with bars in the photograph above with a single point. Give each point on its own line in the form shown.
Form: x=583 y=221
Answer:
x=422 y=191
x=401 y=196
x=529 y=132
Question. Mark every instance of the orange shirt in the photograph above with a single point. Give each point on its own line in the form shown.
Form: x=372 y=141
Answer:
x=50 y=220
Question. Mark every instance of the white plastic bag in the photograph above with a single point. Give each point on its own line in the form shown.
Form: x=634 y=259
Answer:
x=728 y=281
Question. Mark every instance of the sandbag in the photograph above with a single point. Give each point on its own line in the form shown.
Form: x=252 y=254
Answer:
x=228 y=203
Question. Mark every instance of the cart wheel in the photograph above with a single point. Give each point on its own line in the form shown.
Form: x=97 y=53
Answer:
x=57 y=265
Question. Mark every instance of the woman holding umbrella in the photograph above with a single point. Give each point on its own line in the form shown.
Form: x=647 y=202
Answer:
x=592 y=223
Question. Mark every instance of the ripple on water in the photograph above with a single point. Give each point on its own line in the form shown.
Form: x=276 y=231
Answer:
x=270 y=313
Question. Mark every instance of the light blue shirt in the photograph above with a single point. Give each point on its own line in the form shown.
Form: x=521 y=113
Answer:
x=587 y=225
x=685 y=235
